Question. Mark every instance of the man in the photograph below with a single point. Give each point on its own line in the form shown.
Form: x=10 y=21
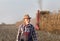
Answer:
x=26 y=30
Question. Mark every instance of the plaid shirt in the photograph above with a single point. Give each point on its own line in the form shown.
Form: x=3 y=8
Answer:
x=33 y=33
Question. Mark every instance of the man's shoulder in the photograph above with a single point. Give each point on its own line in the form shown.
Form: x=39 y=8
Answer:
x=31 y=25
x=21 y=25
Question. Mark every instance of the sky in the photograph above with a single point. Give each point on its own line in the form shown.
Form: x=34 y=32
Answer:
x=51 y=5
x=12 y=11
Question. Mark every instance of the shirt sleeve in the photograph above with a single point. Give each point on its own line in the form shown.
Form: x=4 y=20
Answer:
x=34 y=34
x=19 y=33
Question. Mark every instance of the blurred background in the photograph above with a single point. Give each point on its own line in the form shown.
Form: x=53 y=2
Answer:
x=12 y=12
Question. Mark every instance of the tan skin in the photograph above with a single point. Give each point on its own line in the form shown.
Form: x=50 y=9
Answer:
x=26 y=21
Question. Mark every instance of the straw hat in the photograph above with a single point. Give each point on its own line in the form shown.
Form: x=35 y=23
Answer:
x=26 y=16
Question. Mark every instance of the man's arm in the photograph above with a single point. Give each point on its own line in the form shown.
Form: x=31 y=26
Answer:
x=34 y=34
x=19 y=33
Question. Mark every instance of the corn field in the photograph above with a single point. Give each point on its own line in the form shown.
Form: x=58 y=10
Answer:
x=49 y=25
x=50 y=22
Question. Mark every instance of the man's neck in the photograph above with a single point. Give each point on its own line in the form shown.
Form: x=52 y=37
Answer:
x=27 y=23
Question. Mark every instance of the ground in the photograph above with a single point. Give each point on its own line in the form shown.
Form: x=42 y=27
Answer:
x=9 y=33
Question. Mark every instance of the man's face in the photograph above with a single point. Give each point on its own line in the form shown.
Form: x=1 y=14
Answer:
x=27 y=20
